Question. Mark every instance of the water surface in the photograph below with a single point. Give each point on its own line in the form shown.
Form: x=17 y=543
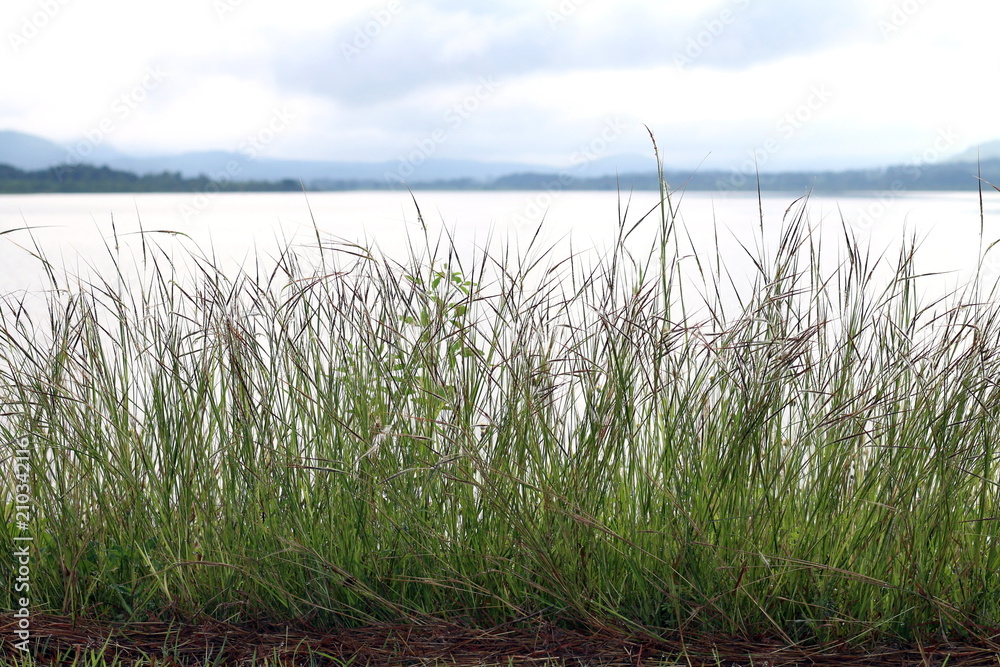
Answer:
x=77 y=232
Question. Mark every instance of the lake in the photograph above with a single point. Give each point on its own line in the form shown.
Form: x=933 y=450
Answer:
x=72 y=230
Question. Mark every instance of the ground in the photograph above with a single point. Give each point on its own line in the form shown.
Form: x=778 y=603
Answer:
x=58 y=639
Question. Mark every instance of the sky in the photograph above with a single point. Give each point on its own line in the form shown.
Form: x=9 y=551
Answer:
x=794 y=84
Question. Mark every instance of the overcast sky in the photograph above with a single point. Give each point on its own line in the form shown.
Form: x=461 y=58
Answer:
x=806 y=84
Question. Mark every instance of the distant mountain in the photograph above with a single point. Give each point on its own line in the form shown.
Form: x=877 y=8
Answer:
x=35 y=154
x=29 y=152
x=987 y=151
x=885 y=182
x=240 y=167
x=26 y=151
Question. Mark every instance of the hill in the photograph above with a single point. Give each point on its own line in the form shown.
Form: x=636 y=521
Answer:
x=86 y=178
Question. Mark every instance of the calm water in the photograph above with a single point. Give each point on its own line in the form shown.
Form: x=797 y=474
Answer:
x=73 y=230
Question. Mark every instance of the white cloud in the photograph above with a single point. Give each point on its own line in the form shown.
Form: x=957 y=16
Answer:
x=893 y=88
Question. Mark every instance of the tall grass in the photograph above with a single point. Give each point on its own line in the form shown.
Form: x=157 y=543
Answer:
x=347 y=439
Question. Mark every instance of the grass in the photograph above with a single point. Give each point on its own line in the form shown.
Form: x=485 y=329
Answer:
x=342 y=440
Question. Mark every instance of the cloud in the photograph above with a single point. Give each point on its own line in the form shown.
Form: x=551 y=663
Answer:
x=759 y=32
x=406 y=47
x=366 y=62
x=563 y=67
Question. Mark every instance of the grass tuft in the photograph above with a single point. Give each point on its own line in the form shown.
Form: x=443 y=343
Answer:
x=599 y=442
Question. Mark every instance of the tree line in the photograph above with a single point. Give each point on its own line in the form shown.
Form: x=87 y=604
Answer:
x=943 y=176
x=87 y=178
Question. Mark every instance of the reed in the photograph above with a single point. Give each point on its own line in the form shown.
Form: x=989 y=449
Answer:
x=348 y=439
